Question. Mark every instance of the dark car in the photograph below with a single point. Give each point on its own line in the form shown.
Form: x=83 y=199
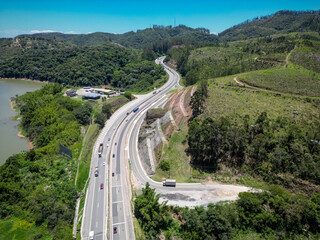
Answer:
x=101 y=186
x=115 y=230
x=113 y=155
x=113 y=174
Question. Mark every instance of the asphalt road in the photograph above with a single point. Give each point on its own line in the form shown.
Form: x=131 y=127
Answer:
x=121 y=226
x=113 y=203
x=97 y=207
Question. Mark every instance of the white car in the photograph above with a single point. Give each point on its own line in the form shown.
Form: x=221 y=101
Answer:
x=104 y=163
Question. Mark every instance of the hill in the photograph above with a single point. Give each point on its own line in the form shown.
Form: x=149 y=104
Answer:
x=139 y=39
x=297 y=50
x=64 y=62
x=280 y=22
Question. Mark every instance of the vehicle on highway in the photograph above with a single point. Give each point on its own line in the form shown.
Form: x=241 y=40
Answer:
x=115 y=230
x=113 y=155
x=91 y=235
x=113 y=174
x=115 y=143
x=101 y=186
x=96 y=172
x=154 y=92
x=100 y=149
x=108 y=139
x=169 y=183
x=104 y=163
x=128 y=113
x=135 y=109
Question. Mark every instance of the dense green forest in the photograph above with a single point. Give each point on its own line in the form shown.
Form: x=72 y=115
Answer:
x=37 y=187
x=63 y=62
x=268 y=147
x=272 y=214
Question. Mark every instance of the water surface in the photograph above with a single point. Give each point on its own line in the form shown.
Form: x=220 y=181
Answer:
x=10 y=143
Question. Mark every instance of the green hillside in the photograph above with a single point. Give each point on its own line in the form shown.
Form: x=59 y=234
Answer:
x=139 y=39
x=280 y=22
x=282 y=50
x=288 y=80
x=64 y=62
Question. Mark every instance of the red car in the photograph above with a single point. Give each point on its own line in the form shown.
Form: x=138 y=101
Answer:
x=115 y=230
x=101 y=186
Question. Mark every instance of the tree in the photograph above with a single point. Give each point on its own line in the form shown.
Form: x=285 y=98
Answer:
x=100 y=119
x=107 y=110
x=204 y=88
x=128 y=95
x=197 y=103
x=149 y=211
x=83 y=113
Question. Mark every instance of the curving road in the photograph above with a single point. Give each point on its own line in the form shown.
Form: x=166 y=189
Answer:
x=113 y=203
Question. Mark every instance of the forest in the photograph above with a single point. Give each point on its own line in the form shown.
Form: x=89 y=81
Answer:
x=37 y=187
x=61 y=62
x=267 y=148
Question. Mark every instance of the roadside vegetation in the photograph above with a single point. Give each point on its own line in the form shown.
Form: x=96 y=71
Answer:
x=271 y=214
x=39 y=188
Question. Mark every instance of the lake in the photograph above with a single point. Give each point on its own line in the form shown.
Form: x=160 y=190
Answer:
x=10 y=143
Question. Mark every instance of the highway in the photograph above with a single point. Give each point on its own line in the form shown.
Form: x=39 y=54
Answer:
x=113 y=203
x=97 y=207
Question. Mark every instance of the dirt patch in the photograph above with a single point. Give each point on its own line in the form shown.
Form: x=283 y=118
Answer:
x=153 y=114
x=168 y=129
x=118 y=103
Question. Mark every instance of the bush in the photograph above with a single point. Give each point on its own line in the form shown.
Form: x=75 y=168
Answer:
x=164 y=165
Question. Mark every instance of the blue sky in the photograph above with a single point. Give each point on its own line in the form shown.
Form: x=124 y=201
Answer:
x=119 y=16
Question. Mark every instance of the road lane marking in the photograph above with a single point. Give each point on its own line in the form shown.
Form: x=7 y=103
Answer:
x=120 y=223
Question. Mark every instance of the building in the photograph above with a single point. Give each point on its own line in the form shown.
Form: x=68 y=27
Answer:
x=91 y=96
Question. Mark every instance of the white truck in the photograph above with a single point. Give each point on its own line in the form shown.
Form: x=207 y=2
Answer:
x=100 y=149
x=169 y=183
x=91 y=235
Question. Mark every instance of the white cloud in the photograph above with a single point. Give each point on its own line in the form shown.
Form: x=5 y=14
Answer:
x=41 y=31
x=71 y=32
x=8 y=33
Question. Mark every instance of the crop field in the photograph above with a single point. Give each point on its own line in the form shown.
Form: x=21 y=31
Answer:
x=293 y=80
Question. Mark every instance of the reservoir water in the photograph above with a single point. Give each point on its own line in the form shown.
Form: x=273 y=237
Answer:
x=10 y=143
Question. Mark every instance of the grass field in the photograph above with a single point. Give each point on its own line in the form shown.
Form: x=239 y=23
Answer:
x=293 y=80
x=236 y=102
x=178 y=159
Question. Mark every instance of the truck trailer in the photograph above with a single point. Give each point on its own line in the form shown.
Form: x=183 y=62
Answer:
x=100 y=149
x=169 y=183
x=135 y=109
x=91 y=235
